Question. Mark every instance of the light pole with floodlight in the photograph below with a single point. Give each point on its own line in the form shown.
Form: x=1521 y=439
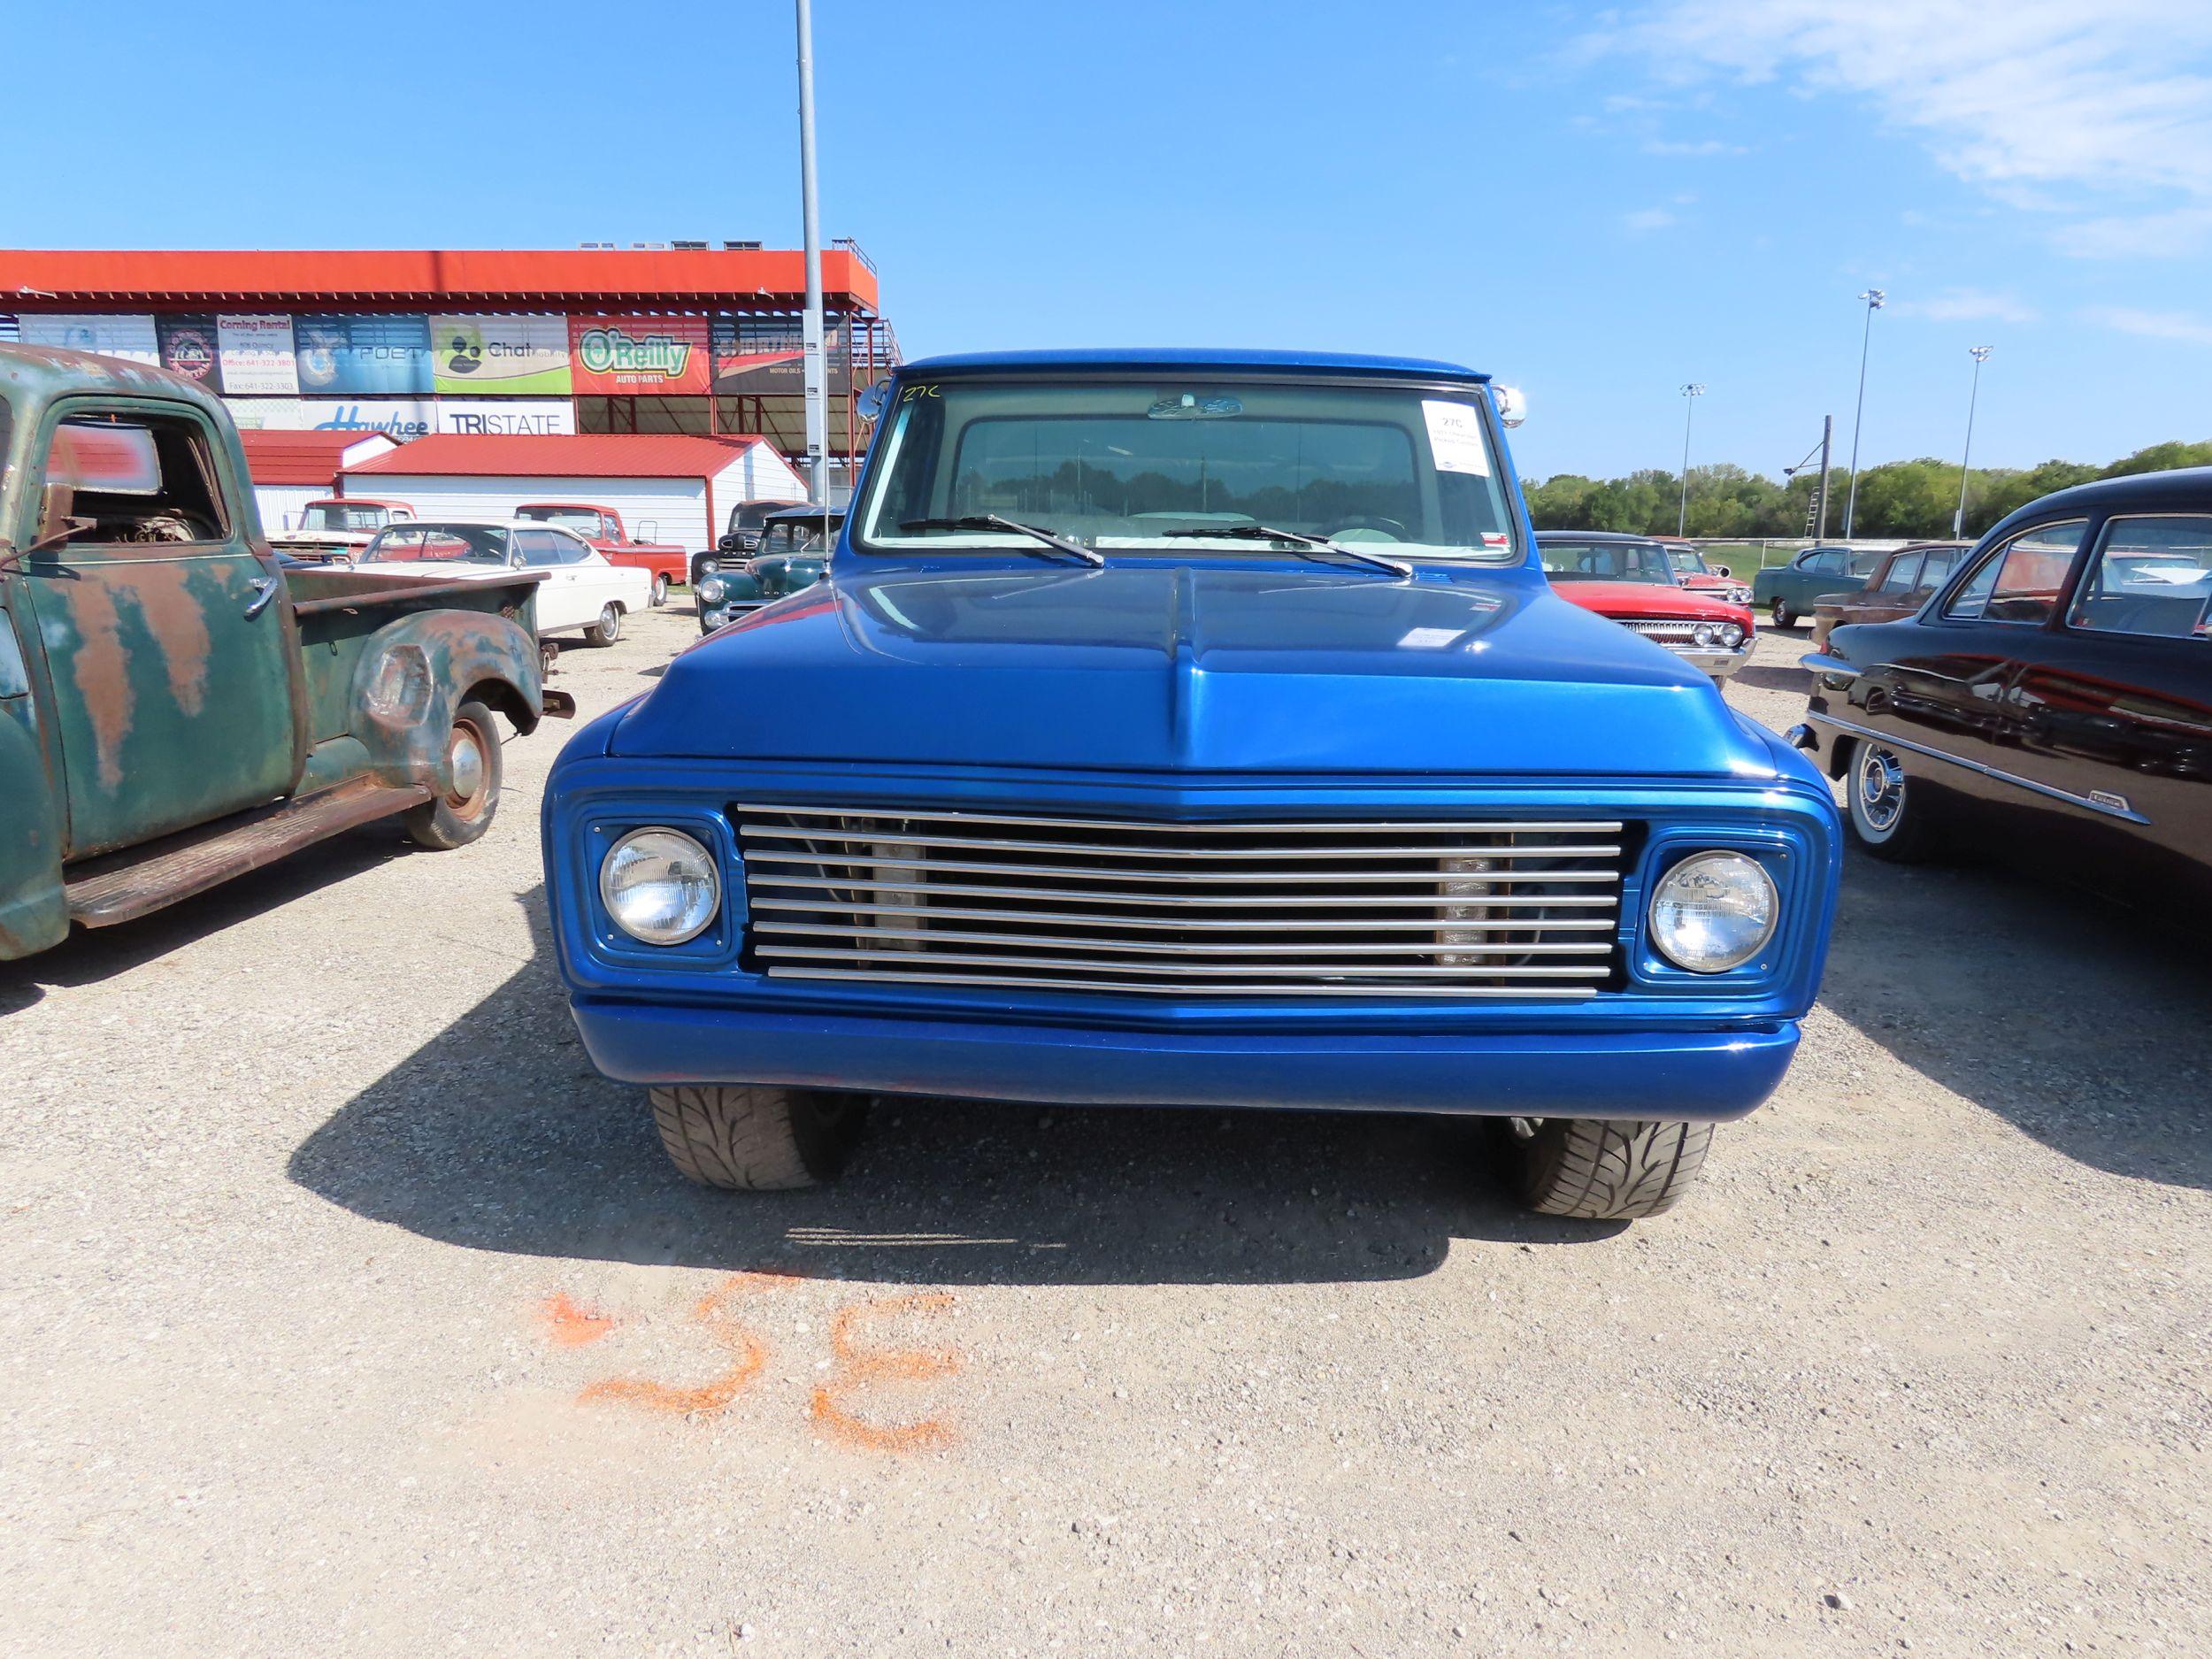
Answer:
x=1690 y=394
x=1980 y=355
x=1874 y=299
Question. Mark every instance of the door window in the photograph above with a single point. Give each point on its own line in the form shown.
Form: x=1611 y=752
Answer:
x=2019 y=581
x=1825 y=565
x=541 y=550
x=136 y=479
x=2153 y=576
x=1902 y=576
x=1937 y=571
x=567 y=549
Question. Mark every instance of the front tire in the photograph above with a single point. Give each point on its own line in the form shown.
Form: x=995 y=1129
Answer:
x=1600 y=1169
x=1784 y=617
x=608 y=629
x=660 y=592
x=463 y=810
x=755 y=1137
x=1885 y=815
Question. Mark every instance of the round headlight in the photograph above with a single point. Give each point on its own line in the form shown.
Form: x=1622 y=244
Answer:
x=707 y=567
x=660 y=886
x=712 y=588
x=1704 y=634
x=1713 y=911
x=1732 y=635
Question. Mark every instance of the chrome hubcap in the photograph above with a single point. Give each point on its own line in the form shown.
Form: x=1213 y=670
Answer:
x=1881 y=789
x=464 y=765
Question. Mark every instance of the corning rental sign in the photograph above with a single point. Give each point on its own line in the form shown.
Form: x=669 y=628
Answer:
x=640 y=354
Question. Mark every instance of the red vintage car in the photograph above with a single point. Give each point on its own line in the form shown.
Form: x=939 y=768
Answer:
x=1629 y=579
x=1693 y=572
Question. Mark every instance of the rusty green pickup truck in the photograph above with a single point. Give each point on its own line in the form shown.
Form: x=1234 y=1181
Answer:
x=178 y=705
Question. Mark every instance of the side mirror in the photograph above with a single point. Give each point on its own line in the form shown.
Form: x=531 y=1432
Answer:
x=1513 y=405
x=871 y=403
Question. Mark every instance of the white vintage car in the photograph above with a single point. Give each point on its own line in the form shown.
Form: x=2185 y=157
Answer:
x=581 y=591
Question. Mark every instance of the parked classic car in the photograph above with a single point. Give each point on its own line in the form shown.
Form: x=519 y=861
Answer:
x=1789 y=592
x=337 y=528
x=793 y=550
x=1693 y=570
x=1191 y=729
x=582 y=590
x=178 y=706
x=1631 y=580
x=2051 y=703
x=1898 y=587
x=663 y=562
x=742 y=532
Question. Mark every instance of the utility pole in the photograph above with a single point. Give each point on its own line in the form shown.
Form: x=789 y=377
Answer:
x=1690 y=394
x=1874 y=299
x=1980 y=354
x=1820 y=493
x=815 y=378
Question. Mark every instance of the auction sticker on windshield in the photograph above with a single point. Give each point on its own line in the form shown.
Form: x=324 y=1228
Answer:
x=1455 y=437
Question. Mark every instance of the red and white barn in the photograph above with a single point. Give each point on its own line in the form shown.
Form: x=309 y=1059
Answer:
x=290 y=468
x=668 y=487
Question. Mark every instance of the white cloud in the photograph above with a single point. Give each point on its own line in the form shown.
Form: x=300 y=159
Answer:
x=2048 y=102
x=1683 y=147
x=2180 y=326
x=1969 y=305
x=1647 y=218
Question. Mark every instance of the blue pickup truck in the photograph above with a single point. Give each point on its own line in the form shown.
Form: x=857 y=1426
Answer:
x=1191 y=728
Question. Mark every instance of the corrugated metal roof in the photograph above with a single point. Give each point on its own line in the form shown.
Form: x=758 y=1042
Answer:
x=581 y=454
x=297 y=457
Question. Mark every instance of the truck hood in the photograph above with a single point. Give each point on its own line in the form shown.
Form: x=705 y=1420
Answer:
x=1149 y=666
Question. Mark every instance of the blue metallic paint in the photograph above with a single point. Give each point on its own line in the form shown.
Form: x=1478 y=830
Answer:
x=1193 y=687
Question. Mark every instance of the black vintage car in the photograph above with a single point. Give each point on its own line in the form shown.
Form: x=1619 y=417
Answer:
x=2051 y=703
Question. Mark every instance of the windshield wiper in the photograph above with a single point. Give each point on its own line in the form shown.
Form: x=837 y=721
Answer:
x=1304 y=543
x=992 y=521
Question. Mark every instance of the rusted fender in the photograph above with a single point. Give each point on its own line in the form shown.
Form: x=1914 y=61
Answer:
x=415 y=672
x=33 y=916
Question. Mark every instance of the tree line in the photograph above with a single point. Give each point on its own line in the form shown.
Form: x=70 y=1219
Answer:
x=1912 y=499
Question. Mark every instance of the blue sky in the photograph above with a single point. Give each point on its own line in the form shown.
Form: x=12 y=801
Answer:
x=1596 y=204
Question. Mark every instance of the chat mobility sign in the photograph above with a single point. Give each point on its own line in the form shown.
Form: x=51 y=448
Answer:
x=645 y=356
x=494 y=355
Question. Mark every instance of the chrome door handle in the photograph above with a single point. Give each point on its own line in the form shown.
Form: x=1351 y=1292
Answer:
x=264 y=591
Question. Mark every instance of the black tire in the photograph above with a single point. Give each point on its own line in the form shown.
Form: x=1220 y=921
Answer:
x=608 y=629
x=464 y=809
x=1882 y=810
x=660 y=592
x=755 y=1137
x=1784 y=617
x=1600 y=1169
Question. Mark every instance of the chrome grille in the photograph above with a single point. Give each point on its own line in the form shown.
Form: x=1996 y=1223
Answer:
x=1665 y=632
x=1440 y=909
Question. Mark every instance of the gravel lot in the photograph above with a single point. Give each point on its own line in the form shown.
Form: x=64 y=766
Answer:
x=351 y=1312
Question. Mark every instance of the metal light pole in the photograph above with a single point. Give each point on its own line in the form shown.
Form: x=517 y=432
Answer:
x=816 y=380
x=1980 y=354
x=1874 y=299
x=1690 y=394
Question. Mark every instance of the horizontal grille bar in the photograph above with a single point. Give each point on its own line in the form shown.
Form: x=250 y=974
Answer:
x=1393 y=908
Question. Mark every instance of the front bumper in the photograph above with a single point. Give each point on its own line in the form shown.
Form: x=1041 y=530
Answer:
x=1694 y=1076
x=1719 y=664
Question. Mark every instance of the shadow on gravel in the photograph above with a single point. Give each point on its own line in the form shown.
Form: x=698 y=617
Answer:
x=2081 y=1022
x=1769 y=679
x=497 y=1134
x=88 y=956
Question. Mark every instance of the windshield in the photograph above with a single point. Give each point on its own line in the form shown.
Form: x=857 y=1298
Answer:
x=1123 y=465
x=337 y=515
x=1604 y=562
x=1688 y=559
x=750 y=514
x=412 y=543
x=585 y=518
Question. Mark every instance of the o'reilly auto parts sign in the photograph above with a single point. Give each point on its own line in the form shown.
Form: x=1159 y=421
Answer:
x=638 y=355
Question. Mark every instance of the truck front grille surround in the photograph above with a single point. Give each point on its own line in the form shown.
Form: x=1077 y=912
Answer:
x=1444 y=908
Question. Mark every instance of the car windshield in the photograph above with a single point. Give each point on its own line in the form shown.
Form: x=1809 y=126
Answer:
x=1122 y=465
x=338 y=515
x=1688 y=559
x=414 y=543
x=750 y=514
x=575 y=518
x=1604 y=562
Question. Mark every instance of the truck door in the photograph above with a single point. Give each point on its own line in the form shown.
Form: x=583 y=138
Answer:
x=170 y=650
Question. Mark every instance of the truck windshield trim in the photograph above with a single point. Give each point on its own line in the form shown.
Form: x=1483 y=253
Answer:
x=1146 y=464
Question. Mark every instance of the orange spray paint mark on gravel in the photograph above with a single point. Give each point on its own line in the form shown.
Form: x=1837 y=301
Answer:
x=748 y=1356
x=863 y=1367
x=568 y=1325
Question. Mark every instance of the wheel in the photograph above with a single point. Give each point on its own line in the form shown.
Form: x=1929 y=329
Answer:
x=1880 y=806
x=608 y=629
x=463 y=811
x=755 y=1136
x=549 y=654
x=1784 y=617
x=660 y=592
x=1600 y=1169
